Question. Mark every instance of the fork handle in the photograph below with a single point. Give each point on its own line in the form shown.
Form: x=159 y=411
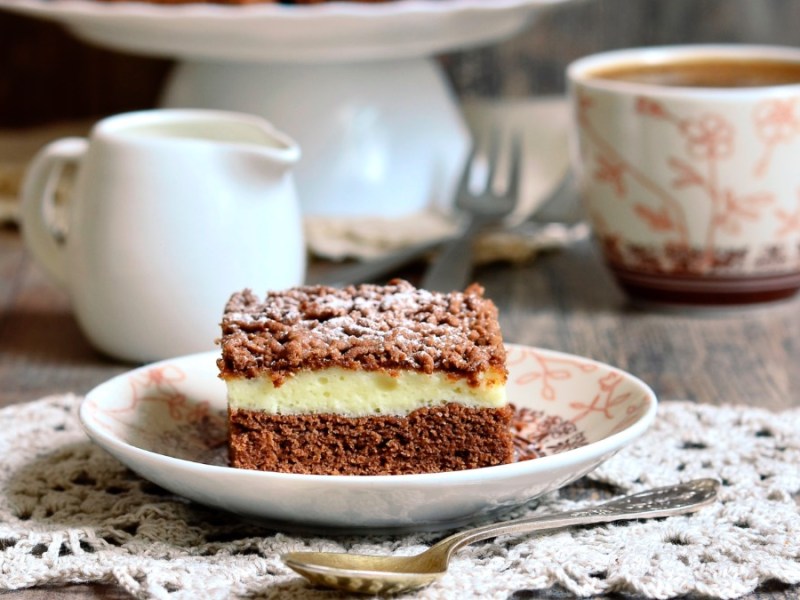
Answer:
x=451 y=268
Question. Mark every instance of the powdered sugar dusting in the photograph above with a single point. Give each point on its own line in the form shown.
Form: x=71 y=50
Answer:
x=366 y=327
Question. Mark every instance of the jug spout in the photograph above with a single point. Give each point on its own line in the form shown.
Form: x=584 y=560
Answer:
x=266 y=143
x=252 y=147
x=272 y=151
x=206 y=131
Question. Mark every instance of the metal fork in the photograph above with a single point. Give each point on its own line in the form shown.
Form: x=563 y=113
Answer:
x=451 y=268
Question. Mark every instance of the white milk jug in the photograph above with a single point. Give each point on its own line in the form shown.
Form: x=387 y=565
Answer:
x=171 y=212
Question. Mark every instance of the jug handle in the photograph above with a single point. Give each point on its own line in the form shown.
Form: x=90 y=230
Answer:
x=38 y=202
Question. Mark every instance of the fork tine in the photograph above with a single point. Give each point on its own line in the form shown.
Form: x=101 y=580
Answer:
x=465 y=182
x=492 y=157
x=452 y=267
x=515 y=160
x=478 y=207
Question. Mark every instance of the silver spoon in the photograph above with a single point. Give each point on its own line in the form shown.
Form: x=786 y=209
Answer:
x=393 y=574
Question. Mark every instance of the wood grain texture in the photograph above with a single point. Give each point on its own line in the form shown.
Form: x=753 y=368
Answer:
x=568 y=301
x=533 y=62
x=46 y=75
x=565 y=301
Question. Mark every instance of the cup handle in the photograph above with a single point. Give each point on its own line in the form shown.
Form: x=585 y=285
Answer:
x=38 y=201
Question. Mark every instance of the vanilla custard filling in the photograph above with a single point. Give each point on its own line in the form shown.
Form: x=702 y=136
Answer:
x=363 y=393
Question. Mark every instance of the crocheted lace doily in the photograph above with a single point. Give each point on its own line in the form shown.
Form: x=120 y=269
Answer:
x=71 y=513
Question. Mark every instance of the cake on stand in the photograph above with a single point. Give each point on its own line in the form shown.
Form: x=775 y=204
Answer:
x=354 y=84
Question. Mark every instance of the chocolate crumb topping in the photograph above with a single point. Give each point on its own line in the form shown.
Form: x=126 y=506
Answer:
x=368 y=327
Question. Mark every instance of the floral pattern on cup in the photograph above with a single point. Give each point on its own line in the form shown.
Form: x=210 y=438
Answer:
x=708 y=140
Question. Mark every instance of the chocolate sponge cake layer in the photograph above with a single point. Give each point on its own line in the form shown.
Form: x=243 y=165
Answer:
x=428 y=440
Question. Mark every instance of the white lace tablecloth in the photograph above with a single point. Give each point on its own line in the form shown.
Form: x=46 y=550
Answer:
x=70 y=513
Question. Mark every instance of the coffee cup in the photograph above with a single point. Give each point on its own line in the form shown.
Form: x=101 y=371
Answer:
x=688 y=161
x=171 y=211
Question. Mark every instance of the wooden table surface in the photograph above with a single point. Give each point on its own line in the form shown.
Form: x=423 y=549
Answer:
x=563 y=300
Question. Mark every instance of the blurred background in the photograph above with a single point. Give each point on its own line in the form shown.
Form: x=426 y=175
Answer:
x=47 y=75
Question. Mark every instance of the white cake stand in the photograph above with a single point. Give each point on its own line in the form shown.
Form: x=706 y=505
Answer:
x=380 y=129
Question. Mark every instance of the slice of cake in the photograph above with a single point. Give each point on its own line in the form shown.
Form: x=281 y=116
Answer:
x=365 y=380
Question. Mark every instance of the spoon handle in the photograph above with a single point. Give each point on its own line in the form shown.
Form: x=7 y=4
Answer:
x=657 y=502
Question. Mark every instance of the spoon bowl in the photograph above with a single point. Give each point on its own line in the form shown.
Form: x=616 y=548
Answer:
x=370 y=574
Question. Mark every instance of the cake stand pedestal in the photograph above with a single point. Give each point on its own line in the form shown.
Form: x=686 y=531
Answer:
x=378 y=138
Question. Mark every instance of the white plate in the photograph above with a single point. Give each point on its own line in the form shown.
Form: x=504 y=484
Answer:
x=167 y=422
x=337 y=31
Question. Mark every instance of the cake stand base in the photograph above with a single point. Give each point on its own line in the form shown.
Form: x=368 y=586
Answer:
x=380 y=138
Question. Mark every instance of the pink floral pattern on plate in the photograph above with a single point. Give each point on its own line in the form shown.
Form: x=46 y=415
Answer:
x=159 y=415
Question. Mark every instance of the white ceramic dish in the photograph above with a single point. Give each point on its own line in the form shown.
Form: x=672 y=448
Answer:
x=166 y=421
x=331 y=32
